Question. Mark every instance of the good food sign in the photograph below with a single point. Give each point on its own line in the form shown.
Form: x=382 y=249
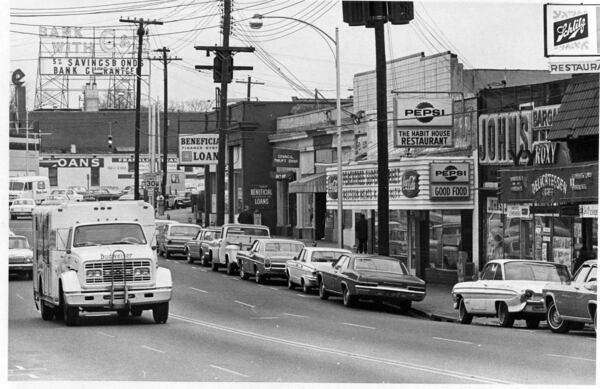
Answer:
x=571 y=30
x=199 y=149
x=423 y=122
x=449 y=181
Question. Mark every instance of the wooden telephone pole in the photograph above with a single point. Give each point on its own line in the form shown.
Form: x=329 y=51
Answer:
x=250 y=83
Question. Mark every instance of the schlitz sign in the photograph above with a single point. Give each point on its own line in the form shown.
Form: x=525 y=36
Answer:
x=571 y=30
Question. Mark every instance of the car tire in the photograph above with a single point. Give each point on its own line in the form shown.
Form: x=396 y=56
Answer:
x=505 y=317
x=160 y=313
x=290 y=283
x=532 y=324
x=555 y=323
x=188 y=257
x=464 y=317
x=305 y=288
x=243 y=274
x=231 y=269
x=258 y=277
x=323 y=294
x=348 y=298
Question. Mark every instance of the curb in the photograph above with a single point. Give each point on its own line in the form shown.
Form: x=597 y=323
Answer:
x=433 y=316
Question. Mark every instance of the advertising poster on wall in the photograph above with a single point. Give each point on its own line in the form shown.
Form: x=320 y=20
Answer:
x=571 y=30
x=198 y=149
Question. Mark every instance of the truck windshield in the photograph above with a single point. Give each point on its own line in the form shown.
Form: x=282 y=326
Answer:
x=17 y=243
x=14 y=185
x=112 y=233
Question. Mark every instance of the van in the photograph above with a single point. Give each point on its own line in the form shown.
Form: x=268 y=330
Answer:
x=30 y=187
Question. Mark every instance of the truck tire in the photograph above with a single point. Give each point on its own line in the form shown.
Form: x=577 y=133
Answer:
x=71 y=315
x=46 y=312
x=160 y=312
x=136 y=312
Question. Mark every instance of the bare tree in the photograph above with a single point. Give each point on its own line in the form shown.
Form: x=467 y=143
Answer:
x=192 y=105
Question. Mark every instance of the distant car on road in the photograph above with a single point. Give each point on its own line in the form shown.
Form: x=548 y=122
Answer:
x=196 y=248
x=21 y=207
x=20 y=256
x=176 y=236
x=572 y=304
x=266 y=258
x=371 y=277
x=102 y=194
x=66 y=194
x=510 y=289
x=302 y=270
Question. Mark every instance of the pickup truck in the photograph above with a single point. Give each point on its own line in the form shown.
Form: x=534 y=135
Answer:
x=234 y=237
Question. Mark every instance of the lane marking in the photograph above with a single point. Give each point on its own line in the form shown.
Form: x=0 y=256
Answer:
x=194 y=267
x=229 y=371
x=266 y=318
x=105 y=334
x=19 y=296
x=360 y=326
x=153 y=349
x=202 y=270
x=566 y=356
x=452 y=340
x=302 y=295
x=28 y=375
x=21 y=368
x=247 y=305
x=344 y=353
x=293 y=315
x=198 y=290
x=272 y=287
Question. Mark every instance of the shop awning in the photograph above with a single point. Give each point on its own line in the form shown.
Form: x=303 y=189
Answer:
x=314 y=183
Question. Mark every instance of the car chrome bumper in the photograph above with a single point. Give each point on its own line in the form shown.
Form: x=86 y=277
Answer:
x=175 y=248
x=275 y=272
x=102 y=299
x=389 y=293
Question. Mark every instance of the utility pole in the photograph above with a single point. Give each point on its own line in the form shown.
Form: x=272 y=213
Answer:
x=138 y=95
x=222 y=72
x=250 y=83
x=166 y=61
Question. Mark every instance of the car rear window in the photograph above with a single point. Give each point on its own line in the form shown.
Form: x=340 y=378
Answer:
x=284 y=246
x=184 y=230
x=380 y=264
x=247 y=231
x=326 y=256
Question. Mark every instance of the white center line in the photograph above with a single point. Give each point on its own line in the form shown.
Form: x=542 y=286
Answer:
x=453 y=340
x=291 y=314
x=194 y=267
x=266 y=318
x=21 y=297
x=228 y=371
x=272 y=287
x=247 y=305
x=566 y=356
x=360 y=326
x=198 y=290
x=153 y=349
x=105 y=334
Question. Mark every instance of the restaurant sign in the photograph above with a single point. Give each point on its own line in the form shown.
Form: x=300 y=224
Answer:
x=550 y=185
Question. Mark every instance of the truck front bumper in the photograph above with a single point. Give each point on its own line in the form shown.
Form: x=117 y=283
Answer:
x=102 y=299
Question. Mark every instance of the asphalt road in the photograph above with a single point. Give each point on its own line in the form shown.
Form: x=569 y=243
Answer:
x=223 y=329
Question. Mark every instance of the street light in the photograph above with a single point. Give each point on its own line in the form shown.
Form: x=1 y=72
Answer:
x=256 y=23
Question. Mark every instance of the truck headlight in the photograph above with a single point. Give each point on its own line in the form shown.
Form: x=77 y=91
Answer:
x=141 y=271
x=93 y=273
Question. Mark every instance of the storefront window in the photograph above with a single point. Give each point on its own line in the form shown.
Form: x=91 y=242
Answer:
x=562 y=243
x=495 y=248
x=444 y=239
x=518 y=236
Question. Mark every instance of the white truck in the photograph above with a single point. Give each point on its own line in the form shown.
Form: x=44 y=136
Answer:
x=97 y=256
x=234 y=237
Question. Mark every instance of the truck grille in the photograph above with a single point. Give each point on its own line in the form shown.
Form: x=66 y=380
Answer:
x=17 y=260
x=118 y=273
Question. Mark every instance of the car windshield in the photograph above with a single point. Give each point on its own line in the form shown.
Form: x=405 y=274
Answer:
x=536 y=272
x=184 y=230
x=23 y=202
x=17 y=243
x=58 y=191
x=326 y=256
x=14 y=185
x=112 y=233
x=247 y=231
x=380 y=264
x=283 y=246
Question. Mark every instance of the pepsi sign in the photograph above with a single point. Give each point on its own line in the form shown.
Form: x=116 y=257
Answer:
x=411 y=112
x=449 y=172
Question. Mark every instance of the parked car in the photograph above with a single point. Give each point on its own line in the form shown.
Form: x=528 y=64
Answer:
x=127 y=196
x=370 y=277
x=161 y=226
x=78 y=189
x=234 y=237
x=102 y=194
x=20 y=256
x=21 y=207
x=266 y=258
x=510 y=289
x=194 y=248
x=175 y=237
x=66 y=194
x=183 y=201
x=572 y=304
x=302 y=269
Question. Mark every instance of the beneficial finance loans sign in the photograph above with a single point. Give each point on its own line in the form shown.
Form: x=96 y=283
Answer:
x=423 y=122
x=197 y=150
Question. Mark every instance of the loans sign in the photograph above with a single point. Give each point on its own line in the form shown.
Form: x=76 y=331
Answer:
x=198 y=149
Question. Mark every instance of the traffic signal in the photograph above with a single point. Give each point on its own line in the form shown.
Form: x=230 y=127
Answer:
x=110 y=145
x=367 y=13
x=218 y=65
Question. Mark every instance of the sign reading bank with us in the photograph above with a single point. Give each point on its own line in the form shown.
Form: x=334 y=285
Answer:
x=198 y=149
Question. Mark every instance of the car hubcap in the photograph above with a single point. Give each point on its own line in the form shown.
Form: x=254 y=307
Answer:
x=555 y=319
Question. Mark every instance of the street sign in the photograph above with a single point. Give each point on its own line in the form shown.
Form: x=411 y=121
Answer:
x=151 y=180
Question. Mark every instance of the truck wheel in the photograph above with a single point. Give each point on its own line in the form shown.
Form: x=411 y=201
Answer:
x=464 y=317
x=506 y=319
x=160 y=312
x=136 y=312
x=46 y=311
x=71 y=315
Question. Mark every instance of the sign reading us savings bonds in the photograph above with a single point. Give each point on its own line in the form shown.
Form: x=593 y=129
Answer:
x=572 y=31
x=421 y=122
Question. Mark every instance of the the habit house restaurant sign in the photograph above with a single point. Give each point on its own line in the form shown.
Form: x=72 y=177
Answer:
x=576 y=183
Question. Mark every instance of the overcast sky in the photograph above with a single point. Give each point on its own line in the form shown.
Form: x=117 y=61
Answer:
x=291 y=59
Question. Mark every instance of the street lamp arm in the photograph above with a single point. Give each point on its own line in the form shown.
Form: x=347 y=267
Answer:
x=257 y=16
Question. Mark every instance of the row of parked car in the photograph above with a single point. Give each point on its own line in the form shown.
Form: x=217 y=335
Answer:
x=510 y=289
x=250 y=251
